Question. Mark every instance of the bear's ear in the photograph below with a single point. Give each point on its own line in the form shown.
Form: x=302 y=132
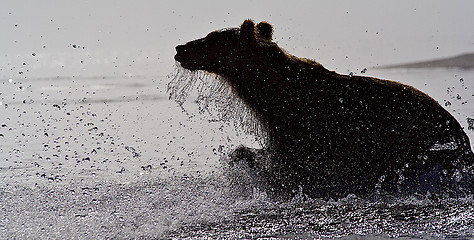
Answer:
x=265 y=30
x=247 y=31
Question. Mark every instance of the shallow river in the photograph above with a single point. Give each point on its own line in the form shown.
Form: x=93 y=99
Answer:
x=112 y=157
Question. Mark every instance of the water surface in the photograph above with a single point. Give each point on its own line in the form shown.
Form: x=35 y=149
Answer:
x=111 y=157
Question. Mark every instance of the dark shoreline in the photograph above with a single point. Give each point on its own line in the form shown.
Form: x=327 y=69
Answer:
x=463 y=61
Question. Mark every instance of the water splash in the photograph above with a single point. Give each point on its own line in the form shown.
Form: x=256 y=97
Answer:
x=446 y=146
x=216 y=98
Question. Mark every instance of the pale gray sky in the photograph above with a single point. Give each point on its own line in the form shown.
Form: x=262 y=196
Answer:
x=342 y=35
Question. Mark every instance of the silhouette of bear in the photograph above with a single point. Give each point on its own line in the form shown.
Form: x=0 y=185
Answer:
x=330 y=135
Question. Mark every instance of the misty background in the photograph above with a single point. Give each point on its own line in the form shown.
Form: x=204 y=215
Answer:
x=138 y=37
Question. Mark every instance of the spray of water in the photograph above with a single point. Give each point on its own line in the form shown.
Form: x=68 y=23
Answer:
x=214 y=96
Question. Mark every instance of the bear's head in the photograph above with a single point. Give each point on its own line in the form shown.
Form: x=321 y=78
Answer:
x=225 y=49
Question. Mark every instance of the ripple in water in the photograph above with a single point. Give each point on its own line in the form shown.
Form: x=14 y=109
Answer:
x=211 y=208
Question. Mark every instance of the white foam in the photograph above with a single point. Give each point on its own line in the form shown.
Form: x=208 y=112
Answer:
x=445 y=146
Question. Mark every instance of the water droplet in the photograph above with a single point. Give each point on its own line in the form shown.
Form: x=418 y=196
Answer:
x=147 y=167
x=457 y=176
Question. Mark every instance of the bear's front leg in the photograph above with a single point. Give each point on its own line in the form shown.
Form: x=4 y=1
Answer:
x=249 y=155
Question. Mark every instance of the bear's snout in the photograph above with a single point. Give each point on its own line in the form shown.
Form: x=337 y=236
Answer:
x=180 y=48
x=183 y=57
x=179 y=52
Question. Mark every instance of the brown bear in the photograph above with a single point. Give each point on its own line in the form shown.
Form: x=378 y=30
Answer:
x=331 y=135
